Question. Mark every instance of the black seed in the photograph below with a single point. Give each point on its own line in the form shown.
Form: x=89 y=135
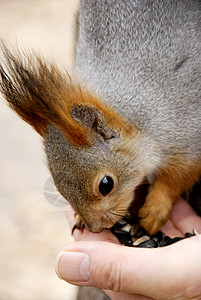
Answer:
x=165 y=242
x=148 y=244
x=188 y=234
x=134 y=230
x=106 y=185
x=177 y=239
x=160 y=239
x=123 y=236
x=159 y=236
x=117 y=226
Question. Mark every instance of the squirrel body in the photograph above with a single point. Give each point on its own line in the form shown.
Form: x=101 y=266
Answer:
x=145 y=56
x=135 y=114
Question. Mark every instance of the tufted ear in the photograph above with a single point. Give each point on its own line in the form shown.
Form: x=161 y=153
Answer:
x=40 y=94
x=91 y=118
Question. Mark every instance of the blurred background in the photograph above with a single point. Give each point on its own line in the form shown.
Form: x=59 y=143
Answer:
x=32 y=231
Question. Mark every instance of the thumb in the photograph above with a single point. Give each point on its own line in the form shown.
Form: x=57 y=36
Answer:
x=148 y=272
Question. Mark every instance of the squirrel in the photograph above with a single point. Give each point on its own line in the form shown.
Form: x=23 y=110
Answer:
x=131 y=110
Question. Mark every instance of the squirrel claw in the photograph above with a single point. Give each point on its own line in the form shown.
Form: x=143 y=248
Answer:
x=74 y=227
x=78 y=224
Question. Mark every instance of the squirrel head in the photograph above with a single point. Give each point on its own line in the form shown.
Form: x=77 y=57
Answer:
x=89 y=147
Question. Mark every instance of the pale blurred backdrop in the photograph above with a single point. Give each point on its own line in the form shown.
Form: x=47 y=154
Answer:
x=31 y=230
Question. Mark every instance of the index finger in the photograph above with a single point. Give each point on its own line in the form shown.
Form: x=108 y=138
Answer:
x=184 y=217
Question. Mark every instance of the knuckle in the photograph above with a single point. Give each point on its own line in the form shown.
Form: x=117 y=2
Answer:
x=112 y=275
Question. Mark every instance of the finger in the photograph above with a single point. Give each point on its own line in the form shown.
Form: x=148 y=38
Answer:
x=130 y=270
x=184 y=217
x=124 y=296
x=84 y=235
x=170 y=230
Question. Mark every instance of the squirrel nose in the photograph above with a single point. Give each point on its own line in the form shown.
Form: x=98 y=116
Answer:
x=99 y=223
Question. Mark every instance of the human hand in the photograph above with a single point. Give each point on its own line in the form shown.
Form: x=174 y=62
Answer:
x=172 y=272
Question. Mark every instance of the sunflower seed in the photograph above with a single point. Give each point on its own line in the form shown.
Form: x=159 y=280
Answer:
x=165 y=242
x=141 y=240
x=126 y=228
x=148 y=244
x=134 y=230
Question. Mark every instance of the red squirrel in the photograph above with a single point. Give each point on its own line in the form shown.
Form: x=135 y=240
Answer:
x=132 y=109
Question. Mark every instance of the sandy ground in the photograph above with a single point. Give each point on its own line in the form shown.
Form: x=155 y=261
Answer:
x=32 y=231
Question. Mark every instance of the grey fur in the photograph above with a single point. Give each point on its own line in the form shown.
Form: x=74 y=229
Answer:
x=146 y=55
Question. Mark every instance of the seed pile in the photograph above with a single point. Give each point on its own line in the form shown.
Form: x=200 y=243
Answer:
x=126 y=232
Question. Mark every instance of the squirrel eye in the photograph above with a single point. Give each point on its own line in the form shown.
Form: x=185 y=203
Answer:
x=106 y=185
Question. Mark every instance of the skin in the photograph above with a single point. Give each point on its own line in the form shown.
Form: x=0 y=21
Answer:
x=172 y=272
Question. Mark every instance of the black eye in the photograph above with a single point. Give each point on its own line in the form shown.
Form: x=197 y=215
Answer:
x=106 y=185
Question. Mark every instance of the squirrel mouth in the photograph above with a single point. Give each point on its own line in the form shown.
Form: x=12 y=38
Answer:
x=140 y=194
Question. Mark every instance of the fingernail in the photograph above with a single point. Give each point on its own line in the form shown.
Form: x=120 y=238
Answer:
x=72 y=266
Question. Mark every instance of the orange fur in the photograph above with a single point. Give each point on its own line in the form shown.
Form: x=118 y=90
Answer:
x=176 y=178
x=40 y=94
x=74 y=131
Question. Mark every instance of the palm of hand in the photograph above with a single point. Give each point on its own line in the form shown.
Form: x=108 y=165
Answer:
x=182 y=219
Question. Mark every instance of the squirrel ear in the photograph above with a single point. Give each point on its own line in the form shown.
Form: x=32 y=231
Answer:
x=40 y=94
x=92 y=118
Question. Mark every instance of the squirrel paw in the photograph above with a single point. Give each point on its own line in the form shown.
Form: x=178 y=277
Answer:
x=155 y=212
x=78 y=224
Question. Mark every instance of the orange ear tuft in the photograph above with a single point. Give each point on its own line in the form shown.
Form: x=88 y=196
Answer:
x=40 y=94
